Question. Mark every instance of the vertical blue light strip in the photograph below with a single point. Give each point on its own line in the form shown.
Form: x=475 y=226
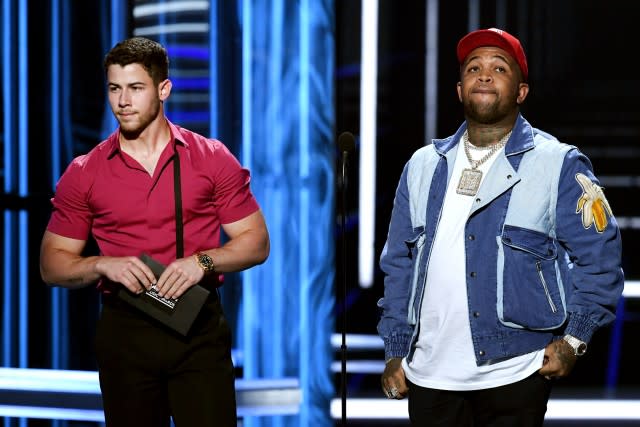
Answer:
x=8 y=126
x=305 y=201
x=62 y=294
x=117 y=24
x=277 y=121
x=23 y=189
x=615 y=346
x=61 y=152
x=213 y=69
x=7 y=306
x=23 y=183
x=23 y=112
x=54 y=73
x=247 y=86
x=249 y=313
x=56 y=312
x=65 y=85
x=117 y=32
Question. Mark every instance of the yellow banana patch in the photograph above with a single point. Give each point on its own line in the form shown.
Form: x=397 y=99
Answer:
x=593 y=205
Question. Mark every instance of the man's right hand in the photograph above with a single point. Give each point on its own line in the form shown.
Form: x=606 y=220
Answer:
x=130 y=271
x=62 y=264
x=393 y=381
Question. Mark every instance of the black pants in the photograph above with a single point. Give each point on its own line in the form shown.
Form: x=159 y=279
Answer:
x=149 y=373
x=521 y=404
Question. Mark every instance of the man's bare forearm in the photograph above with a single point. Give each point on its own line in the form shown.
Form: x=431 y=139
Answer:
x=243 y=251
x=60 y=268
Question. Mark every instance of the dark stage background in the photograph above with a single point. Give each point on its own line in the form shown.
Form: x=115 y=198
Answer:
x=584 y=90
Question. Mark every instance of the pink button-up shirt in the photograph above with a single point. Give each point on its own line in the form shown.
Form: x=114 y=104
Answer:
x=108 y=194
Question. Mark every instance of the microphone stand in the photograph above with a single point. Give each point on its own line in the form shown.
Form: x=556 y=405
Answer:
x=346 y=141
x=343 y=347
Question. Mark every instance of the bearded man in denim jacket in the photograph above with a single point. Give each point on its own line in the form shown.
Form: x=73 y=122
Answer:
x=503 y=257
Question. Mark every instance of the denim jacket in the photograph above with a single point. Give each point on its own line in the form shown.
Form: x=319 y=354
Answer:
x=543 y=249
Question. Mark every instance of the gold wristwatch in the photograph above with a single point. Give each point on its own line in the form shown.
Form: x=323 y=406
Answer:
x=205 y=262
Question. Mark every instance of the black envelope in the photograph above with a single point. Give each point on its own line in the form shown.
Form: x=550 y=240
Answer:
x=178 y=314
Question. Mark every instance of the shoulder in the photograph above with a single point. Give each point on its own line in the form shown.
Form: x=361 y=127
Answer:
x=421 y=166
x=90 y=162
x=199 y=144
x=424 y=157
x=426 y=153
x=545 y=142
x=567 y=158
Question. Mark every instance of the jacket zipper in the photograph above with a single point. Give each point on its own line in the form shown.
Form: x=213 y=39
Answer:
x=546 y=288
x=412 y=318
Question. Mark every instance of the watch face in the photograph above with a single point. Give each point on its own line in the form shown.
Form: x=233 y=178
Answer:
x=205 y=262
x=579 y=347
x=582 y=349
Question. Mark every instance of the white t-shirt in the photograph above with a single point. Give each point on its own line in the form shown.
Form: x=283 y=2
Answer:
x=444 y=357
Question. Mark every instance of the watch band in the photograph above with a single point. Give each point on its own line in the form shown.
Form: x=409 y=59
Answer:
x=579 y=347
x=205 y=262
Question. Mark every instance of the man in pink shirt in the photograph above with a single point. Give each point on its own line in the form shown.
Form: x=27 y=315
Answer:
x=122 y=193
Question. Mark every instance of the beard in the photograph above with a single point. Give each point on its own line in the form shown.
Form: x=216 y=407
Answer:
x=132 y=127
x=488 y=113
x=488 y=110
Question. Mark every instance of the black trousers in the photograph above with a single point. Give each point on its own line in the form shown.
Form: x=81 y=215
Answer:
x=521 y=404
x=149 y=373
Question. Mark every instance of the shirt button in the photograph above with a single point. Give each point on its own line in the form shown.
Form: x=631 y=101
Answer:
x=472 y=274
x=481 y=352
x=472 y=237
x=476 y=314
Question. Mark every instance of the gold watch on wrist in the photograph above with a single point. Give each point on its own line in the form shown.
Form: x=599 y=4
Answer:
x=579 y=347
x=205 y=262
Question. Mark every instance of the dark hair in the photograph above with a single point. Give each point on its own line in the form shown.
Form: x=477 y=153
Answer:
x=140 y=50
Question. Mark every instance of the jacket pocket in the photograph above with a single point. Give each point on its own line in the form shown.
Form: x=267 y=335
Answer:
x=415 y=245
x=530 y=289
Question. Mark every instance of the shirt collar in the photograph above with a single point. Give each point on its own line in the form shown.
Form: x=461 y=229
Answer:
x=113 y=144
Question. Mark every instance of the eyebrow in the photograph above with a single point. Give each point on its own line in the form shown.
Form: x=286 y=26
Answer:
x=497 y=55
x=128 y=84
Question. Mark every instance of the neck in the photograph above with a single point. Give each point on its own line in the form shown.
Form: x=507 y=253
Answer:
x=482 y=134
x=486 y=137
x=153 y=137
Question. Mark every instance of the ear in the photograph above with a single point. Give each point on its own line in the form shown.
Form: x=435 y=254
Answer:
x=164 y=89
x=523 y=91
x=459 y=89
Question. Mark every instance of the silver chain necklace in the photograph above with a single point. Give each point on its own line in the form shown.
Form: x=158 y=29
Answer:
x=471 y=178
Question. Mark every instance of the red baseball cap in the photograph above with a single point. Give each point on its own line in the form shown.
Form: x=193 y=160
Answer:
x=494 y=37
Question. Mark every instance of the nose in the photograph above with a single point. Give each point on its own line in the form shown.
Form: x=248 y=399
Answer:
x=124 y=98
x=485 y=76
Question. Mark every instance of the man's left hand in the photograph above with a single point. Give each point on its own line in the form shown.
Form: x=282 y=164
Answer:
x=178 y=277
x=559 y=360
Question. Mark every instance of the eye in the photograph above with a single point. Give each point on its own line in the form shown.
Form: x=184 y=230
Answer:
x=500 y=69
x=113 y=89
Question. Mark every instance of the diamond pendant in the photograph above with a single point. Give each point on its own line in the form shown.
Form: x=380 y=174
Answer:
x=469 y=182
